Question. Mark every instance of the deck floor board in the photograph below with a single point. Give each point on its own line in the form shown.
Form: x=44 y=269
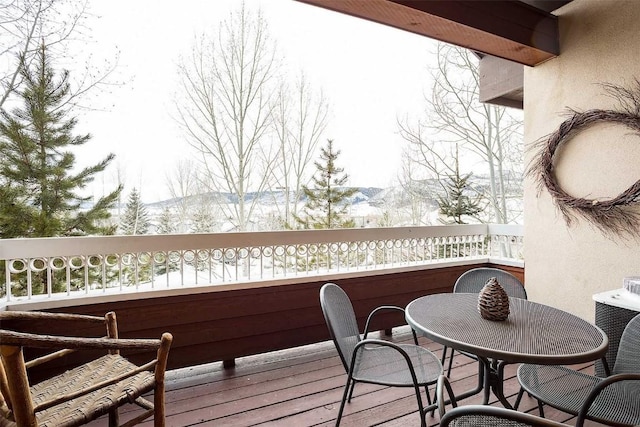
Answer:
x=303 y=387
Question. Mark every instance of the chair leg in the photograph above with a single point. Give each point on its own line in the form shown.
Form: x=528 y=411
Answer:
x=158 y=405
x=450 y=363
x=114 y=419
x=415 y=337
x=444 y=354
x=540 y=408
x=518 y=399
x=426 y=390
x=348 y=386
x=353 y=384
x=421 y=411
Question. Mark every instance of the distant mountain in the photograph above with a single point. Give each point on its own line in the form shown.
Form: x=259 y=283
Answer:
x=363 y=194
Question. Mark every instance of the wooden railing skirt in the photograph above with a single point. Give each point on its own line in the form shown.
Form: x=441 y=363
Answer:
x=224 y=325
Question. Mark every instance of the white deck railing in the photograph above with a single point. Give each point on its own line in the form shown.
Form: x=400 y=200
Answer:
x=44 y=268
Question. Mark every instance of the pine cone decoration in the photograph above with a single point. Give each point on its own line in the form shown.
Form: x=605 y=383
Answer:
x=493 y=301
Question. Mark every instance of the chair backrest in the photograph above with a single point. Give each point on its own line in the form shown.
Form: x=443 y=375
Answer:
x=627 y=358
x=473 y=280
x=482 y=415
x=341 y=321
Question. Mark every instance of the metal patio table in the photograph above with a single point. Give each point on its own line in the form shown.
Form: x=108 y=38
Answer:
x=533 y=333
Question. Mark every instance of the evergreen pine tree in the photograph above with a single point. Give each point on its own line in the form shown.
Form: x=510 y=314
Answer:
x=17 y=216
x=459 y=200
x=326 y=206
x=39 y=195
x=202 y=219
x=135 y=219
x=327 y=202
x=166 y=222
x=166 y=225
x=36 y=164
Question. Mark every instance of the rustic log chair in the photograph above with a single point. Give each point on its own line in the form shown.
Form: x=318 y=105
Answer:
x=83 y=393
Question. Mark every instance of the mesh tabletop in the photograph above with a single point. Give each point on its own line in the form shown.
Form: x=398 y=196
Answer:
x=533 y=333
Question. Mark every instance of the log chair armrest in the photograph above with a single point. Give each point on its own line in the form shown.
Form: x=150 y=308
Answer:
x=44 y=315
x=22 y=339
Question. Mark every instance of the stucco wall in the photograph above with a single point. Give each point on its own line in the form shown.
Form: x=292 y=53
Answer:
x=566 y=265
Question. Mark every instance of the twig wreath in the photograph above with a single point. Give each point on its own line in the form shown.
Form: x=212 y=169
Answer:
x=617 y=215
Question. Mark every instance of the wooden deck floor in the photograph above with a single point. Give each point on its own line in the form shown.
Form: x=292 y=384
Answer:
x=303 y=387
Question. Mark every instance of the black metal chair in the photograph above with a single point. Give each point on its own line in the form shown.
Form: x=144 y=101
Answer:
x=472 y=282
x=482 y=415
x=614 y=400
x=372 y=360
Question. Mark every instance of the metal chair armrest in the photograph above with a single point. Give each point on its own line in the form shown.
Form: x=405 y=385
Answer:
x=376 y=311
x=586 y=405
x=443 y=383
x=381 y=308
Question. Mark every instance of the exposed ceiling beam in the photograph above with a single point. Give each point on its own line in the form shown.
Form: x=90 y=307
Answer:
x=508 y=29
x=501 y=82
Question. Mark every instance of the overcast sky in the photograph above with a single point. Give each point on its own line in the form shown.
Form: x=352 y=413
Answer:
x=370 y=73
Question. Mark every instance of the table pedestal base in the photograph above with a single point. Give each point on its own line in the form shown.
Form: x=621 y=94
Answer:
x=494 y=381
x=490 y=379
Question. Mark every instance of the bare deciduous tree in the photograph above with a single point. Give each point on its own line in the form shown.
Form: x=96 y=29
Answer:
x=300 y=118
x=25 y=24
x=228 y=94
x=183 y=185
x=417 y=192
x=487 y=137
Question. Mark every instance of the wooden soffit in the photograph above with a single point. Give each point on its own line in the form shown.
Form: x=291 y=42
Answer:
x=508 y=29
